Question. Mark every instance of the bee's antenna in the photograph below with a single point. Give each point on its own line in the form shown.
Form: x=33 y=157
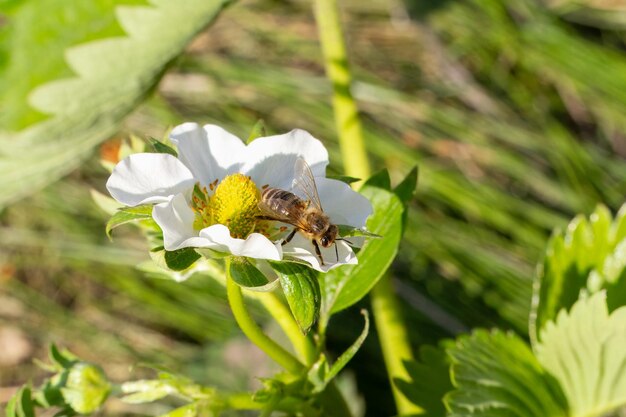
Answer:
x=345 y=240
x=337 y=252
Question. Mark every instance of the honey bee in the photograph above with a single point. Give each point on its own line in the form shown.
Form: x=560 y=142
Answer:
x=304 y=213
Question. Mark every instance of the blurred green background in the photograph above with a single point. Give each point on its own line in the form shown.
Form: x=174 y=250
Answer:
x=515 y=112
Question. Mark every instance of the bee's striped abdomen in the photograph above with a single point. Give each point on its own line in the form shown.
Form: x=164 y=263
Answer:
x=282 y=202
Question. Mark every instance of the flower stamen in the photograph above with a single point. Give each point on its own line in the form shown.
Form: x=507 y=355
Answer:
x=234 y=203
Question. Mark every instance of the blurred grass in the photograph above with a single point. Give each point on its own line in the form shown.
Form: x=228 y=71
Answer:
x=515 y=116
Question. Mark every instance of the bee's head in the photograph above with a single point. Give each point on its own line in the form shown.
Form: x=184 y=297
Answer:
x=329 y=236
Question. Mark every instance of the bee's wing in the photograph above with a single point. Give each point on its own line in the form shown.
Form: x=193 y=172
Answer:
x=304 y=183
x=284 y=211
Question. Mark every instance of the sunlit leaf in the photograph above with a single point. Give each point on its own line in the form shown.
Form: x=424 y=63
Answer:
x=495 y=374
x=585 y=350
x=344 y=286
x=258 y=130
x=113 y=75
x=588 y=257
x=160 y=147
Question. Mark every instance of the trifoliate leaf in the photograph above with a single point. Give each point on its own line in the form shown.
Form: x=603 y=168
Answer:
x=586 y=258
x=302 y=290
x=495 y=374
x=342 y=287
x=113 y=75
x=585 y=350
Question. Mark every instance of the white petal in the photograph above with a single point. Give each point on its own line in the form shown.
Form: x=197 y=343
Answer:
x=254 y=246
x=270 y=160
x=303 y=249
x=342 y=204
x=148 y=178
x=210 y=152
x=175 y=218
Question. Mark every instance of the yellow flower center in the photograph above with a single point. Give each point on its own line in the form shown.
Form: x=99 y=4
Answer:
x=233 y=204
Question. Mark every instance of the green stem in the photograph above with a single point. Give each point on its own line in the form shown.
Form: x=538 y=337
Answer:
x=281 y=313
x=389 y=323
x=393 y=339
x=253 y=331
x=346 y=112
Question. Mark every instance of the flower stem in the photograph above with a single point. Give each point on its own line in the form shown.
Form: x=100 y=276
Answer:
x=346 y=112
x=281 y=313
x=253 y=331
x=391 y=329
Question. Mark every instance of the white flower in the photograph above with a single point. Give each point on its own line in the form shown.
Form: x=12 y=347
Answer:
x=207 y=197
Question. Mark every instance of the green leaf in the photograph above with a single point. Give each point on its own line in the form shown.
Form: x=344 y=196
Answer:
x=189 y=410
x=301 y=288
x=145 y=391
x=429 y=380
x=61 y=359
x=587 y=258
x=246 y=275
x=380 y=179
x=160 y=147
x=128 y=215
x=349 y=231
x=496 y=375
x=321 y=373
x=342 y=287
x=113 y=75
x=585 y=350
x=258 y=130
x=343 y=178
x=86 y=388
x=21 y=404
x=181 y=259
x=407 y=187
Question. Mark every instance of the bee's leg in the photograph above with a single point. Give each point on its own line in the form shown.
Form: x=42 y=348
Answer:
x=289 y=237
x=317 y=250
x=336 y=252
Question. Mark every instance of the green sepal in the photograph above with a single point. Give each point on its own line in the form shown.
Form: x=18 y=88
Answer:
x=349 y=231
x=177 y=260
x=343 y=178
x=380 y=179
x=302 y=290
x=258 y=131
x=406 y=189
x=21 y=404
x=86 y=388
x=189 y=410
x=128 y=215
x=160 y=147
x=61 y=359
x=248 y=276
